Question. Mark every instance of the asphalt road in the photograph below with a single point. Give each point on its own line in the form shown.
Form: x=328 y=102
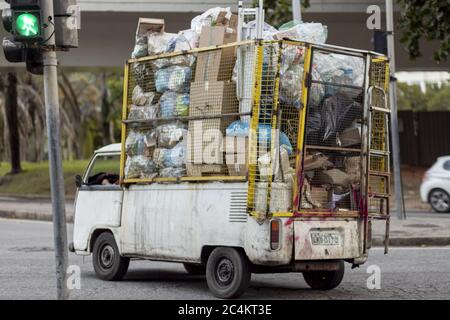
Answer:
x=27 y=272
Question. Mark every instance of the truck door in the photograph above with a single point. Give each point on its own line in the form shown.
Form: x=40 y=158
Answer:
x=99 y=199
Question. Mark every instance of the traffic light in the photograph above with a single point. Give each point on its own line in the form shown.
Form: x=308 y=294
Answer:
x=23 y=20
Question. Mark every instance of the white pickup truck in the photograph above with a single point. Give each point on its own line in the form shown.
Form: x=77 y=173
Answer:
x=206 y=227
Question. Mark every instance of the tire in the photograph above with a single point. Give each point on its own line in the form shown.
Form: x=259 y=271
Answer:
x=107 y=262
x=324 y=280
x=439 y=201
x=194 y=268
x=227 y=273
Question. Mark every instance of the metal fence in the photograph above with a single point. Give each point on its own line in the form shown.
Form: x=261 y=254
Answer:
x=424 y=136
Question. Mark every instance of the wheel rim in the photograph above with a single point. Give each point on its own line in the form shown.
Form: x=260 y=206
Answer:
x=440 y=200
x=107 y=257
x=224 y=272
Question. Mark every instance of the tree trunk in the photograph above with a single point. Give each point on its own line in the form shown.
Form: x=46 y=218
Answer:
x=12 y=120
x=105 y=111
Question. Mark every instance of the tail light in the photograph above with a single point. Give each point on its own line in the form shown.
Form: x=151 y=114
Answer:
x=274 y=234
x=425 y=177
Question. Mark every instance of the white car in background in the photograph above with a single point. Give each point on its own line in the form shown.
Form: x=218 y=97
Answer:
x=435 y=188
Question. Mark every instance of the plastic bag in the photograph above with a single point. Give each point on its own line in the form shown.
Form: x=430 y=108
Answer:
x=140 y=98
x=174 y=78
x=171 y=172
x=339 y=69
x=141 y=47
x=239 y=128
x=336 y=115
x=143 y=112
x=140 y=167
x=268 y=30
x=173 y=104
x=158 y=41
x=140 y=143
x=214 y=16
x=174 y=157
x=170 y=134
x=303 y=31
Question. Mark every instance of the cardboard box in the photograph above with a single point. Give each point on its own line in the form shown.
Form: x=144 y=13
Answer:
x=350 y=137
x=215 y=65
x=236 y=155
x=205 y=137
x=333 y=177
x=315 y=197
x=150 y=25
x=199 y=170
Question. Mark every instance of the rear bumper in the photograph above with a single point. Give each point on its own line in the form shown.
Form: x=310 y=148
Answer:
x=308 y=247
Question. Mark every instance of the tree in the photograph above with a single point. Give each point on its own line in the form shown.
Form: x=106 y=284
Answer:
x=11 y=111
x=280 y=11
x=427 y=19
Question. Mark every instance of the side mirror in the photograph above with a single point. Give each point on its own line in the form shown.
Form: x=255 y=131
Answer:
x=78 y=181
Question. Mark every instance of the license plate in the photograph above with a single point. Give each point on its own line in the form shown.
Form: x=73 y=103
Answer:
x=325 y=238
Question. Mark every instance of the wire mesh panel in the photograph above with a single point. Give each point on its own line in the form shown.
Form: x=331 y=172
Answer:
x=379 y=169
x=332 y=155
x=177 y=117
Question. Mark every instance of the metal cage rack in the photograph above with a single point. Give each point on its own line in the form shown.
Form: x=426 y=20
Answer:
x=307 y=119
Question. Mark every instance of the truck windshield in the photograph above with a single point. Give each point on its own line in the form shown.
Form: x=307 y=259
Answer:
x=104 y=170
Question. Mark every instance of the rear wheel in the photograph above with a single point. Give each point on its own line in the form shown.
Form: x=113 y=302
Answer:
x=325 y=280
x=108 y=264
x=439 y=201
x=227 y=273
x=194 y=268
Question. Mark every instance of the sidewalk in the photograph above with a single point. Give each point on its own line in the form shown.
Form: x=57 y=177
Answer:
x=419 y=229
x=29 y=208
x=425 y=229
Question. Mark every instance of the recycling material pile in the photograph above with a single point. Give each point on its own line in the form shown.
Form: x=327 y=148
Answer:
x=184 y=85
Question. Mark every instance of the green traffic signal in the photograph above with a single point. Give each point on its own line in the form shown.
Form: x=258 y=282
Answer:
x=27 y=25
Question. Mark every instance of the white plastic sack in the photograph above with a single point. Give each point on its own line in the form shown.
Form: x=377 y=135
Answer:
x=158 y=41
x=170 y=134
x=140 y=98
x=209 y=18
x=309 y=32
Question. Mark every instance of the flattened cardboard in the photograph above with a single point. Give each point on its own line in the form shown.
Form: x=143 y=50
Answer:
x=216 y=65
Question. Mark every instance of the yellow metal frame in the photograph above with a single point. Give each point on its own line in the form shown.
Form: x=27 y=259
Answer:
x=254 y=123
x=124 y=128
x=301 y=130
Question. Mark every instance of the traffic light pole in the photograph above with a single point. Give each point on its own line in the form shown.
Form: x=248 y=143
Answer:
x=398 y=186
x=54 y=151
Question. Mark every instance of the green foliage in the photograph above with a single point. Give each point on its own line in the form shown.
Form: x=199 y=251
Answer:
x=435 y=98
x=280 y=11
x=425 y=19
x=34 y=179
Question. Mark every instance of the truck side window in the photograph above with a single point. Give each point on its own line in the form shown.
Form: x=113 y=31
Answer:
x=447 y=165
x=104 y=171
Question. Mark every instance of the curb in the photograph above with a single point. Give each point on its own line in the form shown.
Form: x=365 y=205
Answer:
x=413 y=242
x=30 y=216
x=376 y=242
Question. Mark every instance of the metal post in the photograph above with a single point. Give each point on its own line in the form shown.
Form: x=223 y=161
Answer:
x=297 y=10
x=394 y=117
x=54 y=151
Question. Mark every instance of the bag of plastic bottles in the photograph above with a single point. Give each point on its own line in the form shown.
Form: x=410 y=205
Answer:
x=140 y=167
x=174 y=78
x=173 y=104
x=169 y=134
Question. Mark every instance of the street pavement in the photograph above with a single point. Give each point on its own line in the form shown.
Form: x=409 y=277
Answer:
x=27 y=271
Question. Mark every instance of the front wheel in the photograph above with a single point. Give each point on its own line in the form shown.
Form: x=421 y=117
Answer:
x=108 y=264
x=325 y=280
x=439 y=201
x=227 y=273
